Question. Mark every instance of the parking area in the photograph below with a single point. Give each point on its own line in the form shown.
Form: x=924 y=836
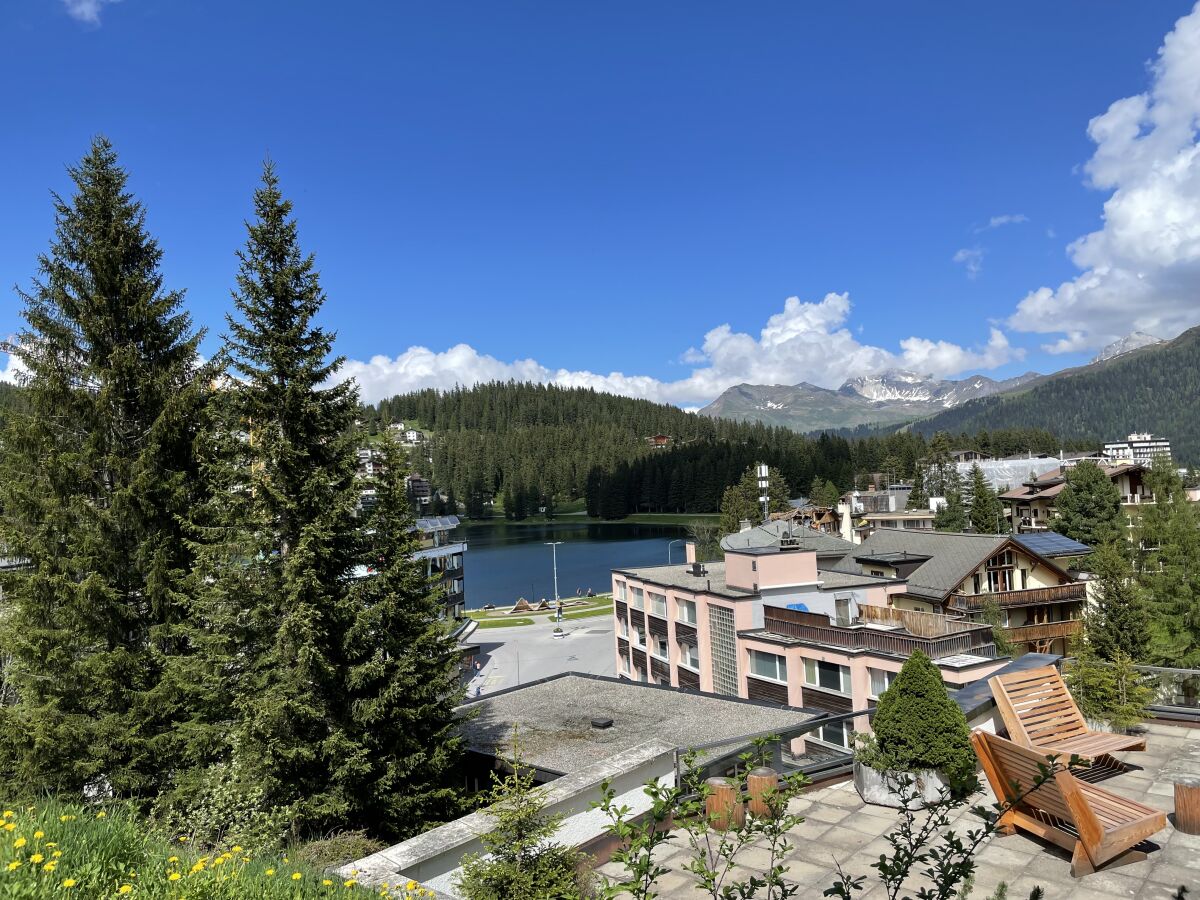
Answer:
x=512 y=656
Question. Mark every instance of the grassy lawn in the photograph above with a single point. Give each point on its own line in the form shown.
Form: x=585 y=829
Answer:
x=510 y=622
x=587 y=613
x=588 y=608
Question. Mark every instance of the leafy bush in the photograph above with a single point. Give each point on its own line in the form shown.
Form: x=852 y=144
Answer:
x=917 y=726
x=339 y=849
x=57 y=849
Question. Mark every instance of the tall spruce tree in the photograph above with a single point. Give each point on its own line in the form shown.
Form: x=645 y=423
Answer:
x=952 y=516
x=987 y=515
x=1088 y=506
x=740 y=501
x=1117 y=622
x=97 y=472
x=402 y=677
x=291 y=488
x=1169 y=538
x=917 y=498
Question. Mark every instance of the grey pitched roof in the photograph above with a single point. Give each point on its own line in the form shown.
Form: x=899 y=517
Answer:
x=768 y=536
x=952 y=557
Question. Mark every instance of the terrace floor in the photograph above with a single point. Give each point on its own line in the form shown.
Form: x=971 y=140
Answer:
x=840 y=828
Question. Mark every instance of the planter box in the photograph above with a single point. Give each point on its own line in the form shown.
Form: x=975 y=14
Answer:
x=882 y=788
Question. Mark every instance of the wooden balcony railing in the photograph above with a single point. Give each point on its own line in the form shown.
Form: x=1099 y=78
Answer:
x=1047 y=631
x=1059 y=593
x=972 y=638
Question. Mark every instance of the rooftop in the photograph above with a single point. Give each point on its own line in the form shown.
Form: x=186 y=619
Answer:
x=767 y=536
x=553 y=719
x=840 y=829
x=1051 y=544
x=680 y=576
x=952 y=556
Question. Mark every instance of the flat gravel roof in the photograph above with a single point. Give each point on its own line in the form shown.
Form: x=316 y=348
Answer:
x=552 y=719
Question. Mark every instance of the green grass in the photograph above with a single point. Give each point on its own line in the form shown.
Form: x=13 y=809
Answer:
x=587 y=613
x=58 y=849
x=503 y=623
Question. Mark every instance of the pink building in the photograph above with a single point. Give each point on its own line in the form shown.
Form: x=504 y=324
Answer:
x=769 y=623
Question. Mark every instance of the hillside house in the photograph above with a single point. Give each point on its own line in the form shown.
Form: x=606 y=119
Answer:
x=1031 y=507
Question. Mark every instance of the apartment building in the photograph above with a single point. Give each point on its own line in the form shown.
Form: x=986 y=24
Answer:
x=1031 y=507
x=1139 y=447
x=768 y=622
x=443 y=558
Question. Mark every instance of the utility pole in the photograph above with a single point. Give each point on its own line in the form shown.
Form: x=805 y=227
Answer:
x=763 y=481
x=553 y=545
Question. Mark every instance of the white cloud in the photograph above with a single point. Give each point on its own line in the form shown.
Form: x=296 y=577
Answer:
x=971 y=258
x=805 y=341
x=86 y=11
x=1007 y=219
x=1141 y=270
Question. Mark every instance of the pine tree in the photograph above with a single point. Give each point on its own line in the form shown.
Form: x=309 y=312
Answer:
x=917 y=498
x=994 y=616
x=1088 y=506
x=97 y=471
x=953 y=515
x=292 y=497
x=1169 y=537
x=987 y=515
x=740 y=501
x=1117 y=622
x=402 y=679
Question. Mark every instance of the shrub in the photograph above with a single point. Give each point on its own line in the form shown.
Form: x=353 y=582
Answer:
x=917 y=726
x=339 y=849
x=60 y=849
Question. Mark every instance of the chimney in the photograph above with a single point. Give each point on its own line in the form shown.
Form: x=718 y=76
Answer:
x=689 y=552
x=745 y=525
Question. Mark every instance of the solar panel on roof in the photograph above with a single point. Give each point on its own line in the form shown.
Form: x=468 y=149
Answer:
x=1051 y=543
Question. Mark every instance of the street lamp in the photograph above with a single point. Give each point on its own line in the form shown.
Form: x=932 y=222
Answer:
x=553 y=545
x=669 y=546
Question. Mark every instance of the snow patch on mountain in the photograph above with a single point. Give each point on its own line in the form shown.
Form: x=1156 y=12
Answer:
x=1133 y=341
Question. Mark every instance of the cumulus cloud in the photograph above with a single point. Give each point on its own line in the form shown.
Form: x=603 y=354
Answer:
x=86 y=11
x=805 y=341
x=1006 y=219
x=971 y=258
x=1141 y=270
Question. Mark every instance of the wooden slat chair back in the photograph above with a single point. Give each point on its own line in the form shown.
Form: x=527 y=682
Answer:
x=1038 y=711
x=1096 y=825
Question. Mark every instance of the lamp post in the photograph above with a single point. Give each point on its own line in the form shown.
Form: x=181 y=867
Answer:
x=669 y=546
x=553 y=545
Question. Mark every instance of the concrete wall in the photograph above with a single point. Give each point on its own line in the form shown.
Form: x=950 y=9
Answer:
x=434 y=858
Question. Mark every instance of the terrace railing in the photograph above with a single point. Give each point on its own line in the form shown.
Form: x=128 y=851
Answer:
x=969 y=637
x=1059 y=593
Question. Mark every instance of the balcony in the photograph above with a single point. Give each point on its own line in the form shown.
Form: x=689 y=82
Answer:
x=885 y=630
x=1047 y=631
x=1059 y=593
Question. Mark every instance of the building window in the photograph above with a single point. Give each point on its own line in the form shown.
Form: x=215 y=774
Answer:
x=754 y=565
x=836 y=734
x=686 y=611
x=658 y=646
x=768 y=665
x=624 y=664
x=1024 y=579
x=999 y=580
x=828 y=676
x=689 y=655
x=658 y=604
x=639 y=636
x=878 y=573
x=623 y=627
x=724 y=650
x=621 y=591
x=881 y=680
x=639 y=601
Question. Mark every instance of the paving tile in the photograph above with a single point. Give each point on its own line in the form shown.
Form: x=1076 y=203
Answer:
x=828 y=814
x=1113 y=881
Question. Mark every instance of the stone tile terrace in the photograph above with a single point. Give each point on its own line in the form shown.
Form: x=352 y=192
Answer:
x=839 y=827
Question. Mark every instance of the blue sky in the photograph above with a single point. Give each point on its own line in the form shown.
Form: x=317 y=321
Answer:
x=588 y=192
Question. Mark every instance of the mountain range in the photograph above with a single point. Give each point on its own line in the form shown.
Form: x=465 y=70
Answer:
x=890 y=398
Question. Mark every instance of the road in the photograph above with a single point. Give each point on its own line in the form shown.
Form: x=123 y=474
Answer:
x=512 y=656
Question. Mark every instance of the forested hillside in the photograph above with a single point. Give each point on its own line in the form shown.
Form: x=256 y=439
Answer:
x=533 y=445
x=1154 y=389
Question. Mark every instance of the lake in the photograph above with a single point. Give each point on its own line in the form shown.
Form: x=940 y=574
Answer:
x=505 y=561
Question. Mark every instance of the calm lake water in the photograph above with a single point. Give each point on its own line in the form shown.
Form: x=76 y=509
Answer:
x=507 y=561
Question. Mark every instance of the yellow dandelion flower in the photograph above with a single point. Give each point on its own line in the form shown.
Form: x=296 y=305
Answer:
x=36 y=858
x=8 y=814
x=20 y=842
x=174 y=876
x=57 y=854
x=9 y=826
x=172 y=859
x=38 y=835
x=183 y=839
x=296 y=876
x=69 y=882
x=14 y=865
x=125 y=889
x=411 y=886
x=51 y=843
x=50 y=866
x=270 y=873
x=100 y=815
x=349 y=882
x=326 y=882
x=236 y=849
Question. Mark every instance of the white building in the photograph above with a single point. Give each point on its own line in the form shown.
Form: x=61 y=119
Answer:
x=1139 y=447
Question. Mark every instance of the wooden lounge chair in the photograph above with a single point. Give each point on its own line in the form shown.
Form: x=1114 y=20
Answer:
x=1096 y=825
x=1039 y=712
